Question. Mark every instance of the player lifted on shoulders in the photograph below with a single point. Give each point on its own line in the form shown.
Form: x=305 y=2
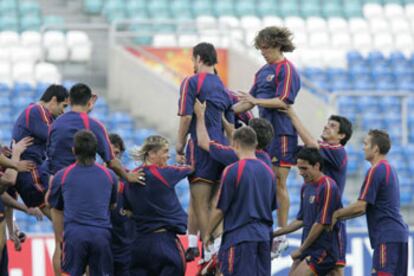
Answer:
x=276 y=85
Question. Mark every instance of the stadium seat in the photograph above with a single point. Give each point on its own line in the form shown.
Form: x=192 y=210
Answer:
x=358 y=25
x=178 y=9
x=47 y=73
x=245 y=8
x=399 y=25
x=164 y=40
x=319 y=40
x=267 y=8
x=5 y=75
x=341 y=41
x=31 y=22
x=288 y=8
x=332 y=9
x=250 y=23
x=23 y=72
x=295 y=24
x=272 y=21
x=202 y=7
x=352 y=9
x=393 y=11
x=9 y=39
x=379 y=26
x=92 y=6
x=409 y=10
x=316 y=24
x=362 y=42
x=187 y=40
x=29 y=8
x=337 y=24
x=54 y=22
x=228 y=21
x=21 y=54
x=373 y=10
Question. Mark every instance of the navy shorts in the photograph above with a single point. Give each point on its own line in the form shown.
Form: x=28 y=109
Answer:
x=32 y=187
x=246 y=258
x=283 y=150
x=206 y=169
x=157 y=254
x=390 y=258
x=342 y=240
x=320 y=262
x=4 y=264
x=86 y=246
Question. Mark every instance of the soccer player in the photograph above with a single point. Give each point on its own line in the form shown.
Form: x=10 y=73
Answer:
x=246 y=201
x=205 y=85
x=226 y=155
x=320 y=197
x=157 y=213
x=34 y=122
x=335 y=135
x=276 y=85
x=122 y=227
x=380 y=200
x=81 y=196
x=63 y=129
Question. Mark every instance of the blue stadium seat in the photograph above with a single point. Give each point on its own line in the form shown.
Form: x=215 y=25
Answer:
x=390 y=104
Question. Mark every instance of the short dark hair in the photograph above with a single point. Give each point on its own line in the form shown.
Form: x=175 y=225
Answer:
x=85 y=144
x=117 y=141
x=207 y=53
x=312 y=155
x=55 y=90
x=345 y=127
x=264 y=131
x=246 y=136
x=273 y=37
x=80 y=94
x=381 y=139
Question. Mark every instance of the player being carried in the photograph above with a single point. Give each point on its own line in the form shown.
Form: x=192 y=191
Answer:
x=276 y=85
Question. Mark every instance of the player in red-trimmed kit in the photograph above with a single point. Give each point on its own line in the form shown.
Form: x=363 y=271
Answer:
x=205 y=85
x=335 y=135
x=379 y=199
x=276 y=85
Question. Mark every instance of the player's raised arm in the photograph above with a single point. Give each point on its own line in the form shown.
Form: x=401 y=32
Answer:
x=203 y=138
x=303 y=132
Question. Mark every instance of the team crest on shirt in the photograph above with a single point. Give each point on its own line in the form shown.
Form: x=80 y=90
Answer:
x=373 y=271
x=311 y=199
x=270 y=77
x=274 y=159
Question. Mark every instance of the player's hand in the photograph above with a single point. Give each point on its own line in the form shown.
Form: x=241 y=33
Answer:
x=296 y=254
x=25 y=166
x=247 y=98
x=6 y=151
x=35 y=212
x=200 y=108
x=136 y=177
x=16 y=241
x=19 y=147
x=180 y=158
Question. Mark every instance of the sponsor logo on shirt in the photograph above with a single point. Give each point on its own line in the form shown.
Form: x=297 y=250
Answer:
x=270 y=77
x=311 y=199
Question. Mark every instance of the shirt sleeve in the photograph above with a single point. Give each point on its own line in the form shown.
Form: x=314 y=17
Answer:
x=253 y=89
x=38 y=124
x=55 y=197
x=115 y=187
x=373 y=179
x=334 y=156
x=104 y=144
x=227 y=188
x=284 y=84
x=327 y=202
x=299 y=216
x=188 y=93
x=174 y=174
x=223 y=154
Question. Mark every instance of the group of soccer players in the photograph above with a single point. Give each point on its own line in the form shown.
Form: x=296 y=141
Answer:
x=111 y=221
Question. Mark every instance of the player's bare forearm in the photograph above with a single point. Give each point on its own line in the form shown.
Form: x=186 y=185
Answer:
x=292 y=227
x=183 y=128
x=303 y=132
x=241 y=107
x=116 y=165
x=228 y=128
x=313 y=235
x=12 y=203
x=275 y=103
x=355 y=209
x=7 y=163
x=203 y=139
x=57 y=220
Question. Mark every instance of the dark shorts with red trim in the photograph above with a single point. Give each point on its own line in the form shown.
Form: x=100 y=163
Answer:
x=206 y=169
x=283 y=149
x=320 y=262
x=390 y=258
x=158 y=253
x=86 y=246
x=342 y=241
x=246 y=258
x=32 y=187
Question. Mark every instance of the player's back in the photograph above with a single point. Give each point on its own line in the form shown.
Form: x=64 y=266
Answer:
x=156 y=206
x=63 y=129
x=385 y=223
x=87 y=193
x=34 y=121
x=254 y=193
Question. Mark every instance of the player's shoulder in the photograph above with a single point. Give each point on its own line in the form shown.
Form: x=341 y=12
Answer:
x=329 y=183
x=328 y=146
